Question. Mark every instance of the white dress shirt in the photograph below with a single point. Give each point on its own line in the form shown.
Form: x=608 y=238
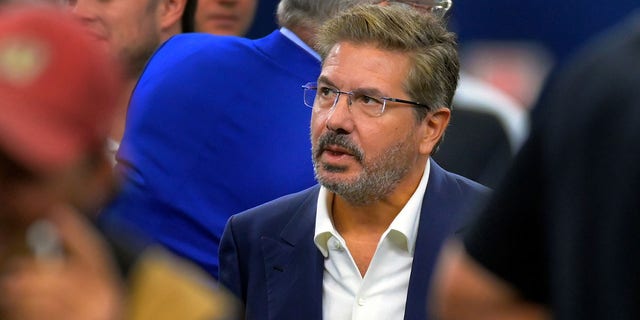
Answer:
x=382 y=292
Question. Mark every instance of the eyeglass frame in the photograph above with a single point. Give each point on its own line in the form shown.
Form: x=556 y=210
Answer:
x=350 y=94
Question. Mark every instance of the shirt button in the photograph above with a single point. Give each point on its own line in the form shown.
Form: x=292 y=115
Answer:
x=362 y=301
x=335 y=245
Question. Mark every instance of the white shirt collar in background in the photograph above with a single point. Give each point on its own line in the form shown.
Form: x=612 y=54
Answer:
x=293 y=37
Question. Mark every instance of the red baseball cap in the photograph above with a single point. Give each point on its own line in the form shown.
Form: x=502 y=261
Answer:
x=58 y=88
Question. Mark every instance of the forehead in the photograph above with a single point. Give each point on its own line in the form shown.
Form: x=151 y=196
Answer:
x=351 y=65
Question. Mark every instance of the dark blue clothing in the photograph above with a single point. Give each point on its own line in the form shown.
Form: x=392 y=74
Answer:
x=268 y=257
x=216 y=125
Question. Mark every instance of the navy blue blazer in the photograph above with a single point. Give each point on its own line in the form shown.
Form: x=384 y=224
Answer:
x=268 y=257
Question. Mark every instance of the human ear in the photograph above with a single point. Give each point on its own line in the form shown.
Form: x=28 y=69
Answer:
x=434 y=124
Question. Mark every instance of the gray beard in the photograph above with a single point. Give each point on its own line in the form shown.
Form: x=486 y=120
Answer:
x=378 y=178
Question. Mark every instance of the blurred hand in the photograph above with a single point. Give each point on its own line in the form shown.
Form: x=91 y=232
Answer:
x=82 y=284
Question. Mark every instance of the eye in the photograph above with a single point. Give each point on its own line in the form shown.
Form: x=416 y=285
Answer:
x=326 y=92
x=367 y=100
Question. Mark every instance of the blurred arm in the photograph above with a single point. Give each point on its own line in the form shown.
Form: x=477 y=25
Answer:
x=462 y=289
x=81 y=284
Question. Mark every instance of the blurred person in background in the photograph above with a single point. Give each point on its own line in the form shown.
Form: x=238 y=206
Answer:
x=132 y=30
x=559 y=239
x=225 y=17
x=57 y=96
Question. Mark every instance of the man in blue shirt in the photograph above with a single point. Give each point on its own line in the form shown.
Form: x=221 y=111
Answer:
x=216 y=125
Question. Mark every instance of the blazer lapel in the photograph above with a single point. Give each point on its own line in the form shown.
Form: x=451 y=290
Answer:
x=294 y=266
x=436 y=219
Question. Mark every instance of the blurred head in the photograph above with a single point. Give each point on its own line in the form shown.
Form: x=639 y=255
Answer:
x=132 y=29
x=29 y=2
x=57 y=96
x=225 y=17
x=312 y=13
x=361 y=151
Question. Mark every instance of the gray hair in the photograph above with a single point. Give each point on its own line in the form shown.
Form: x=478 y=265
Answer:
x=433 y=76
x=312 y=13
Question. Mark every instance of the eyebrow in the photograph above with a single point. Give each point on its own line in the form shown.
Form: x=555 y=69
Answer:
x=372 y=92
x=325 y=80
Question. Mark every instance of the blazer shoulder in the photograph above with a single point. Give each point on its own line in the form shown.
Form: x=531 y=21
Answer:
x=203 y=42
x=456 y=181
x=279 y=210
x=463 y=195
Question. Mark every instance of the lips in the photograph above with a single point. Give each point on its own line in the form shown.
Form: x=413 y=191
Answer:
x=337 y=150
x=332 y=145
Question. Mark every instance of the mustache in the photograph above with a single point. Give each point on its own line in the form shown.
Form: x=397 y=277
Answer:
x=341 y=140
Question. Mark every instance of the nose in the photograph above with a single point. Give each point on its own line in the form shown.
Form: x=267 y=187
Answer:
x=340 y=117
x=83 y=10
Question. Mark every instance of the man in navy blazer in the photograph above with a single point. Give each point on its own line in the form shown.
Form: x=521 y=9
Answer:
x=362 y=244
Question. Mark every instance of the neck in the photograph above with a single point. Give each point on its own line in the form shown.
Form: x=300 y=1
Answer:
x=306 y=34
x=372 y=219
x=378 y=215
x=117 y=129
x=165 y=34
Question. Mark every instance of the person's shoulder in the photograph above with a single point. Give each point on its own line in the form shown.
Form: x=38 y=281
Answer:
x=204 y=41
x=279 y=210
x=201 y=46
x=197 y=58
x=455 y=181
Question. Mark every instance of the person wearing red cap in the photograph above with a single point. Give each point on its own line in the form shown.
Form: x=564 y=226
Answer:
x=57 y=96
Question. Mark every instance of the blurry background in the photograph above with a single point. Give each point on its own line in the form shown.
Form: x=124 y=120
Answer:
x=511 y=44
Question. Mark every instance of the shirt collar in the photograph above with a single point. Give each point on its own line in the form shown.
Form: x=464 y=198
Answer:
x=406 y=222
x=405 y=225
x=293 y=37
x=324 y=223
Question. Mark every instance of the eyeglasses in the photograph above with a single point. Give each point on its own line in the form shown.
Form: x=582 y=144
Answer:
x=436 y=7
x=326 y=98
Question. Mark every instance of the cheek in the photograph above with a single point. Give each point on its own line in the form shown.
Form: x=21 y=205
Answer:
x=248 y=6
x=318 y=123
x=376 y=139
x=130 y=22
x=201 y=11
x=117 y=28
